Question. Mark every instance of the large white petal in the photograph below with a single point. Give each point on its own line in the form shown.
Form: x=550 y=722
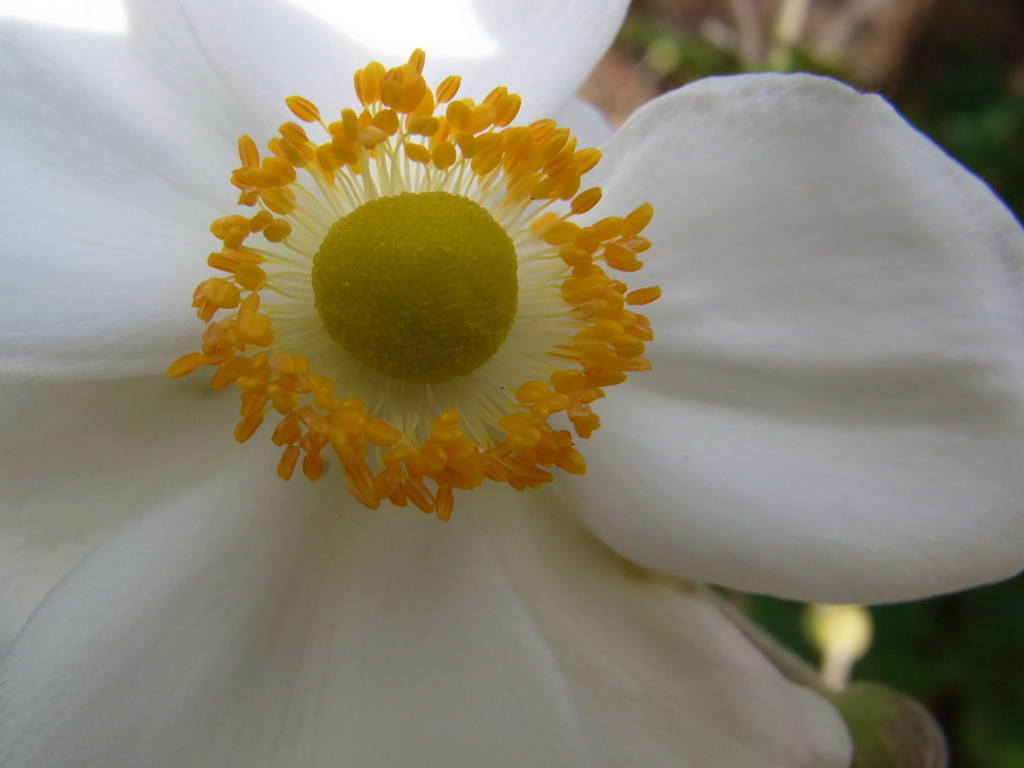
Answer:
x=106 y=229
x=256 y=623
x=77 y=460
x=265 y=50
x=253 y=623
x=658 y=675
x=835 y=410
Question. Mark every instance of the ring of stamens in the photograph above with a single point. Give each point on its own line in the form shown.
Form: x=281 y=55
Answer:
x=504 y=428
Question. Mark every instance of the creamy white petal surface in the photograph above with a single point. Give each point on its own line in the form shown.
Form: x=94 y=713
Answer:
x=588 y=123
x=236 y=626
x=78 y=460
x=107 y=226
x=265 y=50
x=835 y=409
x=123 y=147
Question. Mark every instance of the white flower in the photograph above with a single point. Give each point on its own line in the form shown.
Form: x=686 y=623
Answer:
x=835 y=414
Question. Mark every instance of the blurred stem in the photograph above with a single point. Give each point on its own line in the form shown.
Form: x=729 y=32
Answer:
x=748 y=29
x=789 y=29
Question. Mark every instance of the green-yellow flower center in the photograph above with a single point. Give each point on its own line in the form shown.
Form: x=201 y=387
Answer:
x=418 y=286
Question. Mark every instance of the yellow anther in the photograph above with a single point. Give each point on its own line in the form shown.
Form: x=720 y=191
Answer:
x=507 y=109
x=444 y=155
x=218 y=292
x=575 y=256
x=620 y=258
x=288 y=151
x=248 y=154
x=639 y=218
x=350 y=124
x=532 y=391
x=302 y=108
x=289 y=459
x=260 y=220
x=417 y=152
x=586 y=159
x=446 y=436
x=417 y=59
x=643 y=295
x=588 y=239
x=544 y=188
x=370 y=136
x=230 y=228
x=489 y=143
x=550 y=404
x=481 y=117
x=467 y=143
x=344 y=151
x=444 y=502
x=391 y=92
x=184 y=365
x=586 y=200
x=448 y=88
x=554 y=142
x=571 y=461
x=568 y=184
x=329 y=159
x=250 y=276
x=426 y=106
x=605 y=378
x=293 y=132
x=424 y=126
x=248 y=426
x=312 y=466
x=280 y=200
x=523 y=440
x=608 y=227
x=627 y=345
x=497 y=94
x=543 y=221
x=387 y=120
x=567 y=380
x=561 y=233
x=419 y=495
x=277 y=230
x=367 y=82
x=517 y=140
x=414 y=90
x=542 y=128
x=459 y=115
x=446 y=419
x=379 y=432
x=433 y=457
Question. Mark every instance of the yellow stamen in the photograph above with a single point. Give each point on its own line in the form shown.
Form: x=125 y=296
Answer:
x=412 y=295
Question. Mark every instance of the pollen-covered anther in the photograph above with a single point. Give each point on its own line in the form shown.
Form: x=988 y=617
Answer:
x=419 y=253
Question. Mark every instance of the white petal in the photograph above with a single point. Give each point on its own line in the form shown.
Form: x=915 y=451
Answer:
x=265 y=50
x=588 y=123
x=107 y=226
x=255 y=623
x=659 y=676
x=835 y=411
x=78 y=460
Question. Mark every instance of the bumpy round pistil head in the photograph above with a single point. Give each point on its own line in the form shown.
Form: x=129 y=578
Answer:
x=419 y=286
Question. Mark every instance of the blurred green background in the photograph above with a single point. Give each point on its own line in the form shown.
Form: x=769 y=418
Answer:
x=954 y=68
